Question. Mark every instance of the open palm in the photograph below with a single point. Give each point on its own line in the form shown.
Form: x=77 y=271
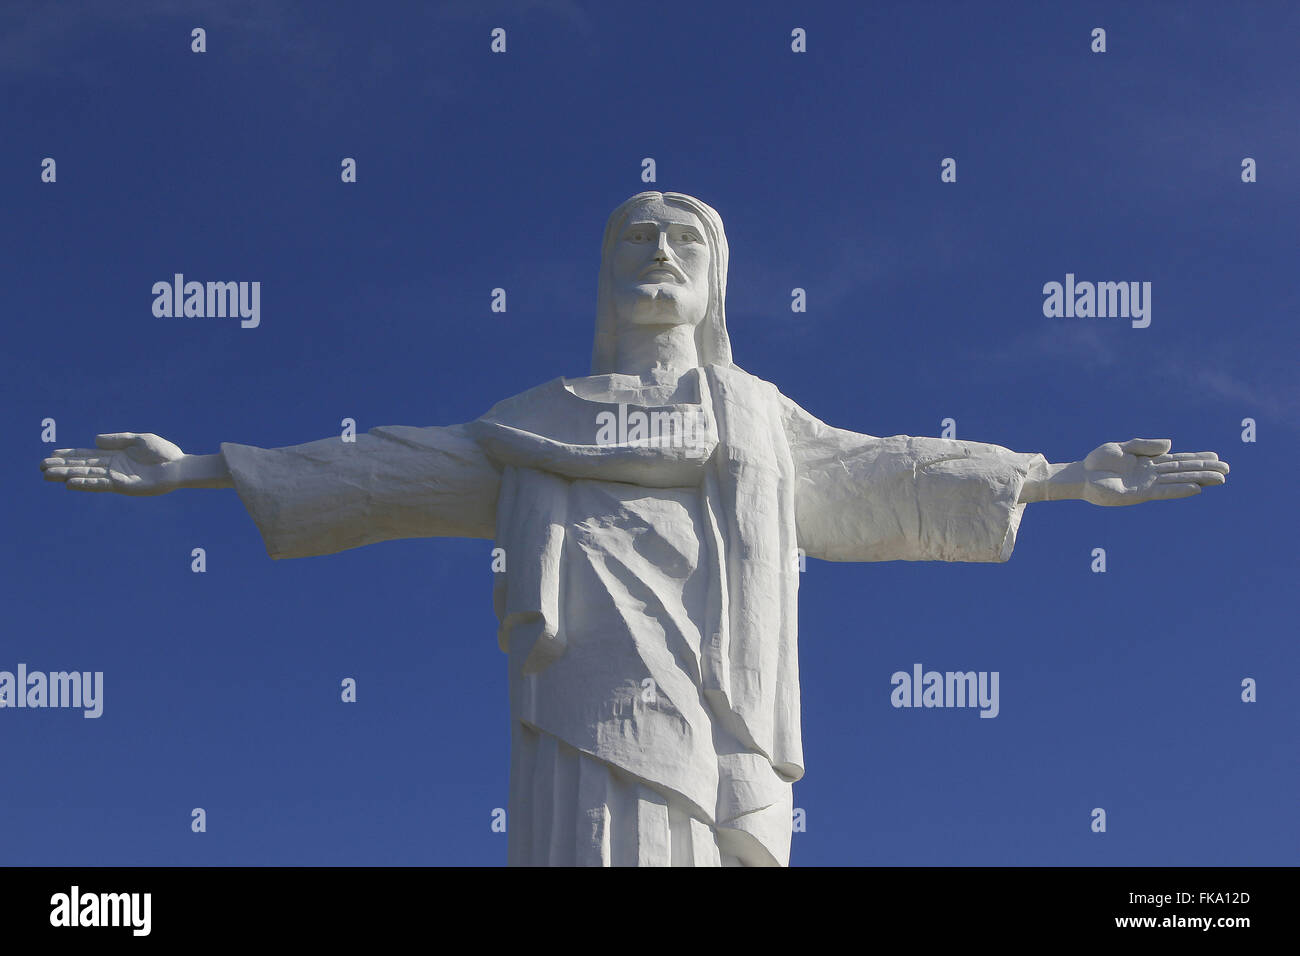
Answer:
x=128 y=463
x=1142 y=469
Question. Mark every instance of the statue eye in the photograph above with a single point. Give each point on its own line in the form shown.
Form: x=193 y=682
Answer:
x=690 y=237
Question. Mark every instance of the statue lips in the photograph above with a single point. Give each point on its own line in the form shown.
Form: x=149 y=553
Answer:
x=648 y=274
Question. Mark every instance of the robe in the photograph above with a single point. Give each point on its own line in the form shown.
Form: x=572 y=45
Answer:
x=648 y=606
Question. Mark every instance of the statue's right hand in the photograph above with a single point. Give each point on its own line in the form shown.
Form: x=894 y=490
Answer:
x=129 y=463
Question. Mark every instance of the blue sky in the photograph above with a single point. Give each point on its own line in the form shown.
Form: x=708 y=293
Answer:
x=475 y=171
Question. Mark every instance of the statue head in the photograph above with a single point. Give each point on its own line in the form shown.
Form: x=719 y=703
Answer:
x=663 y=261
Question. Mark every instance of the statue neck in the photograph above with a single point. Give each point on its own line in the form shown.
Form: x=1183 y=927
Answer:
x=659 y=352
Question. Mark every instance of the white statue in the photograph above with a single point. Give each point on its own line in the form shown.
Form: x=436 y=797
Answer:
x=650 y=515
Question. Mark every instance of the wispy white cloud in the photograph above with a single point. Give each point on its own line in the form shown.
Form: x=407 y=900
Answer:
x=1215 y=373
x=74 y=37
x=67 y=37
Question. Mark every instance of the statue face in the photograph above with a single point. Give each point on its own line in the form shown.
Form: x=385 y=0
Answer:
x=661 y=267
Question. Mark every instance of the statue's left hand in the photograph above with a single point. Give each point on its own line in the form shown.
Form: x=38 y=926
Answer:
x=128 y=463
x=1142 y=469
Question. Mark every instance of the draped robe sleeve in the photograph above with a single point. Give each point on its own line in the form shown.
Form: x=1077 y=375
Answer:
x=392 y=482
x=861 y=498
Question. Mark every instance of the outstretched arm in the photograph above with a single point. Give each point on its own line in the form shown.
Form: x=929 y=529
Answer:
x=903 y=498
x=1130 y=473
x=316 y=498
x=861 y=498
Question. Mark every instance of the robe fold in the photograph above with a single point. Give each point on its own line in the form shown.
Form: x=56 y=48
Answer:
x=648 y=607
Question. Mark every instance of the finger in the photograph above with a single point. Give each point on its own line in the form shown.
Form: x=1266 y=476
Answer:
x=1181 y=455
x=91 y=460
x=90 y=484
x=116 y=439
x=61 y=472
x=61 y=454
x=1146 y=446
x=1193 y=464
x=1200 y=477
x=1161 y=492
x=75 y=471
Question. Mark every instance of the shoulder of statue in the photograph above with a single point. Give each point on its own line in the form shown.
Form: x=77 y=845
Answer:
x=553 y=386
x=736 y=375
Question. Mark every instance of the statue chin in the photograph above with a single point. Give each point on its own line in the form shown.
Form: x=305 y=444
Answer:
x=656 y=304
